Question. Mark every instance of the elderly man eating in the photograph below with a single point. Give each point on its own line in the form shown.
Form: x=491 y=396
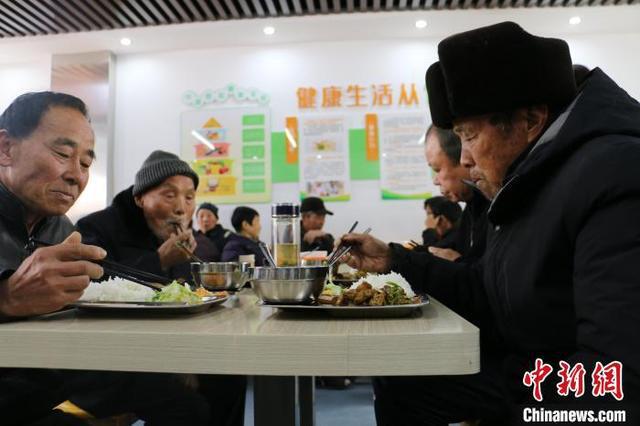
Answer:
x=558 y=287
x=143 y=228
x=46 y=152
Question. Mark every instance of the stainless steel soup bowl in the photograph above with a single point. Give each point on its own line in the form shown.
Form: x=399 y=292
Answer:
x=288 y=285
x=221 y=275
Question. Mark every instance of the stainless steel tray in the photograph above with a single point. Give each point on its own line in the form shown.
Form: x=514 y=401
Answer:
x=149 y=307
x=387 y=311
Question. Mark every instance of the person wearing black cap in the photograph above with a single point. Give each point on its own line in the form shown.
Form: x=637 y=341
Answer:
x=142 y=228
x=558 y=281
x=313 y=215
x=207 y=218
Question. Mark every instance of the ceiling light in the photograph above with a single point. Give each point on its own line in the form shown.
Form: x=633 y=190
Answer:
x=269 y=30
x=125 y=41
x=421 y=23
x=575 y=20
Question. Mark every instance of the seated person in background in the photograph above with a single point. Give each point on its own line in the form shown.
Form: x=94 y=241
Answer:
x=207 y=217
x=46 y=152
x=142 y=228
x=313 y=237
x=441 y=222
x=442 y=151
x=245 y=242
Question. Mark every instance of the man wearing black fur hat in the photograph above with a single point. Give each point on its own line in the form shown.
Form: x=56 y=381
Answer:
x=558 y=281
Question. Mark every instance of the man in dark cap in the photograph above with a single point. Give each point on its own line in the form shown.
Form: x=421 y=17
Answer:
x=143 y=227
x=207 y=217
x=558 y=281
x=313 y=216
x=46 y=153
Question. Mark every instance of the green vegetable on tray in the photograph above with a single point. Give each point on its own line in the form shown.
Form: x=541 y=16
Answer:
x=176 y=292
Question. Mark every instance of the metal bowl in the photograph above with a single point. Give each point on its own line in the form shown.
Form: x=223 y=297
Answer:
x=220 y=275
x=288 y=285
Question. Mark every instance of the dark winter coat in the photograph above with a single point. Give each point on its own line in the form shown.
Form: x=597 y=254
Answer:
x=14 y=235
x=471 y=234
x=559 y=279
x=238 y=245
x=218 y=235
x=122 y=231
x=325 y=242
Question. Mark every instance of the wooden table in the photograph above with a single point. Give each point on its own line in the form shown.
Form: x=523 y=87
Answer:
x=242 y=338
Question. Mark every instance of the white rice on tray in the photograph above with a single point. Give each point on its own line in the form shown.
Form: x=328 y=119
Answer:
x=117 y=290
x=378 y=281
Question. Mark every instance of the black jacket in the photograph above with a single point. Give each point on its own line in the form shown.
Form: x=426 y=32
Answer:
x=218 y=235
x=14 y=236
x=559 y=279
x=122 y=231
x=471 y=234
x=238 y=245
x=321 y=243
x=430 y=238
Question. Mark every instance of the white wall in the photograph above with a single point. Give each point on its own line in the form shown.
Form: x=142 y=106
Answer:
x=149 y=83
x=149 y=86
x=21 y=77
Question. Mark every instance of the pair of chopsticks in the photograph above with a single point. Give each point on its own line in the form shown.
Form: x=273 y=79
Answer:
x=181 y=245
x=115 y=269
x=267 y=254
x=343 y=249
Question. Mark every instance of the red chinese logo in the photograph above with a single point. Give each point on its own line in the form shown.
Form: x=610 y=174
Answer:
x=607 y=379
x=536 y=377
x=572 y=379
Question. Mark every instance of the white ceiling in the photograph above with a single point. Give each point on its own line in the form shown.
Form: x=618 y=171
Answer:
x=323 y=28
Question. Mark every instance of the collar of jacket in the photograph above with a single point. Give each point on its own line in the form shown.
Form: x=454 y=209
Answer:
x=601 y=108
x=132 y=216
x=244 y=240
x=13 y=213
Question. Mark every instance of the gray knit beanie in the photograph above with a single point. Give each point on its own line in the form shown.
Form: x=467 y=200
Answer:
x=159 y=166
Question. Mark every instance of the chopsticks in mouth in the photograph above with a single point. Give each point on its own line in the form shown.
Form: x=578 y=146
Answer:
x=178 y=227
x=115 y=269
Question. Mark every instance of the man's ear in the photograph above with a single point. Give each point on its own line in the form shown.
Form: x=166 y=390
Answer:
x=138 y=200
x=537 y=117
x=5 y=148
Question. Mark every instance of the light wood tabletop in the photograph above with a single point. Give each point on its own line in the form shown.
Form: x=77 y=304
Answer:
x=240 y=337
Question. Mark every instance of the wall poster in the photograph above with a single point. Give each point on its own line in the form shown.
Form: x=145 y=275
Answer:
x=404 y=173
x=324 y=157
x=229 y=148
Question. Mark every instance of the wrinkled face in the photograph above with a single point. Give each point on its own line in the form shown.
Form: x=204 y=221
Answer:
x=49 y=169
x=488 y=150
x=172 y=200
x=206 y=220
x=447 y=175
x=313 y=221
x=254 y=228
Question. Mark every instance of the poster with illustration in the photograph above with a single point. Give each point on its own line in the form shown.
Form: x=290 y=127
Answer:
x=229 y=150
x=324 y=158
x=404 y=173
